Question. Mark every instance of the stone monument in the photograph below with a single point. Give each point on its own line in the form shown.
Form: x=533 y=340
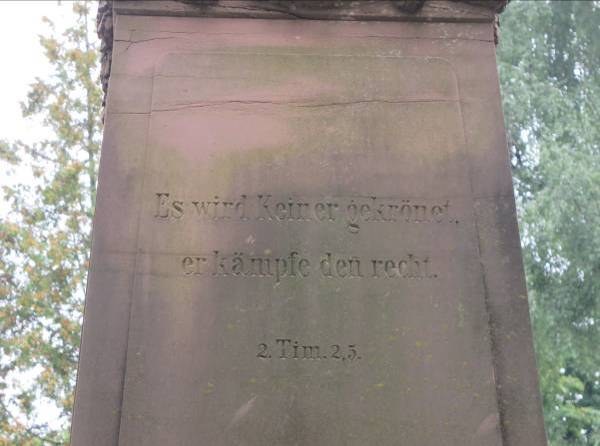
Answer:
x=305 y=231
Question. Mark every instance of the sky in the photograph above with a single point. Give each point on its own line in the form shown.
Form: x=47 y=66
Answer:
x=23 y=59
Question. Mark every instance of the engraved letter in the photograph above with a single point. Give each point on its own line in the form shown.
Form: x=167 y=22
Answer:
x=240 y=208
x=280 y=269
x=219 y=268
x=282 y=343
x=352 y=217
x=326 y=265
x=303 y=267
x=162 y=205
x=320 y=211
x=437 y=211
x=188 y=265
x=340 y=268
x=177 y=211
x=263 y=208
x=311 y=352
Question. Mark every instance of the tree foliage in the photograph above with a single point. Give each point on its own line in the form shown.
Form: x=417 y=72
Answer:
x=45 y=239
x=549 y=59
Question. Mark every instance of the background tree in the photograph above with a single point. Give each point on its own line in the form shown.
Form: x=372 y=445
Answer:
x=45 y=239
x=549 y=61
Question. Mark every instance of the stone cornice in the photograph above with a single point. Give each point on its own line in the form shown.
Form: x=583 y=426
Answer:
x=104 y=27
x=381 y=10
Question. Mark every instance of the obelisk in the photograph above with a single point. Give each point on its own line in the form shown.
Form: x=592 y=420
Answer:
x=305 y=231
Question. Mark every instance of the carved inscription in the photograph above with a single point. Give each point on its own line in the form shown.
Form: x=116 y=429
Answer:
x=291 y=349
x=353 y=212
x=296 y=265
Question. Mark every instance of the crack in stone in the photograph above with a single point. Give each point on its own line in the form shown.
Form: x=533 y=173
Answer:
x=265 y=9
x=297 y=103
x=345 y=36
x=134 y=42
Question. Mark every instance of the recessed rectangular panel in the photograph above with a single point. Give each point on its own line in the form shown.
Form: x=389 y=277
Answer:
x=307 y=267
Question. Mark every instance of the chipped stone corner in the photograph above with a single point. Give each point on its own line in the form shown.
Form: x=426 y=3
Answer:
x=104 y=27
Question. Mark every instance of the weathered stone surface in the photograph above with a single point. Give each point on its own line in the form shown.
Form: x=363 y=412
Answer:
x=435 y=10
x=305 y=235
